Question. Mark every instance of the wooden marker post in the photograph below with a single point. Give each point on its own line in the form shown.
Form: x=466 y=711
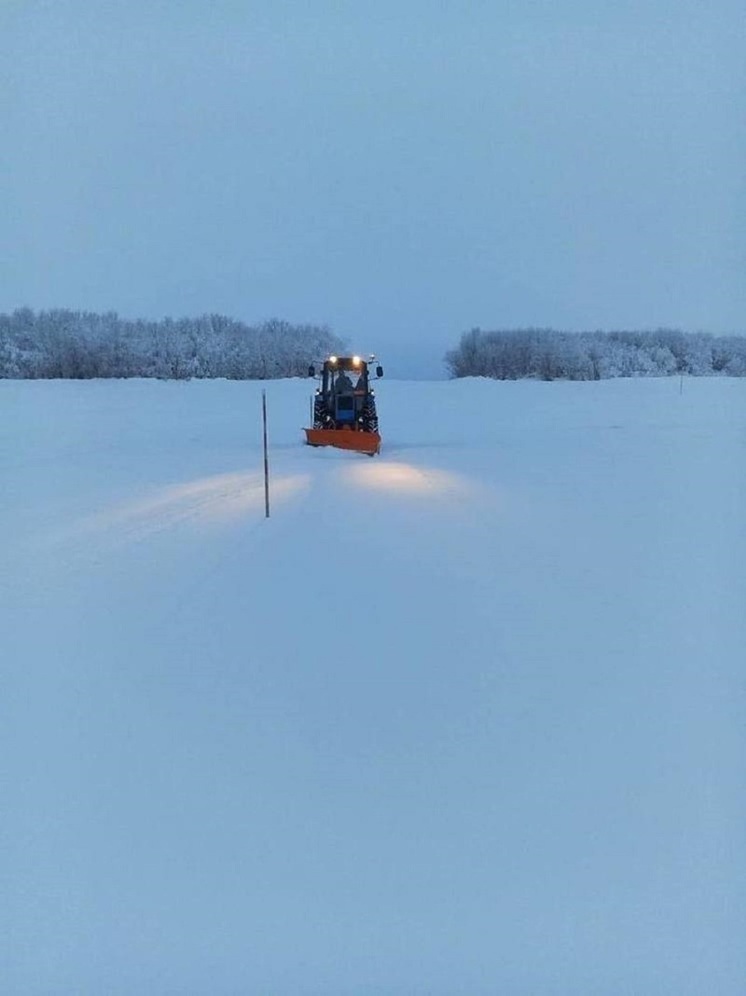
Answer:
x=266 y=457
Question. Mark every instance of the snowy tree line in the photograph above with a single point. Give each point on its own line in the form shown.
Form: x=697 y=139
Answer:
x=547 y=354
x=81 y=345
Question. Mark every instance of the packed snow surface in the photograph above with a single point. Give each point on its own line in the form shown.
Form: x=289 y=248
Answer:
x=467 y=717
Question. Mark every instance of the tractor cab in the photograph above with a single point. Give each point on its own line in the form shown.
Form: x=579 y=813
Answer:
x=345 y=403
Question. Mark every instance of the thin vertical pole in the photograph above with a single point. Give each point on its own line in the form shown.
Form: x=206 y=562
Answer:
x=266 y=458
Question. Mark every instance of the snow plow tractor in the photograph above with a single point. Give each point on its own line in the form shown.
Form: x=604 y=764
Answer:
x=344 y=407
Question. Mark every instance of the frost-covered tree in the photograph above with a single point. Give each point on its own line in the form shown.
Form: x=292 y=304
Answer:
x=61 y=343
x=548 y=354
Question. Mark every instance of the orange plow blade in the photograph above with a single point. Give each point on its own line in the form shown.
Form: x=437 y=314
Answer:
x=345 y=439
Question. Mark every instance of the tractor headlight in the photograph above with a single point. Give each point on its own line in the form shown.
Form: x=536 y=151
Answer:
x=356 y=361
x=332 y=359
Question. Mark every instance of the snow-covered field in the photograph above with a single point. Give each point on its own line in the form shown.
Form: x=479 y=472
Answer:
x=467 y=717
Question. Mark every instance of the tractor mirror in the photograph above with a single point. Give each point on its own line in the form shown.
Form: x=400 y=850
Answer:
x=379 y=371
x=312 y=371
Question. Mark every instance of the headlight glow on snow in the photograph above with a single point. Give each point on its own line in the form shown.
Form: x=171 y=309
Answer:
x=198 y=503
x=404 y=478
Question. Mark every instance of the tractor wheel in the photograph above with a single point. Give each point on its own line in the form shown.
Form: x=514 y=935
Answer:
x=322 y=418
x=370 y=416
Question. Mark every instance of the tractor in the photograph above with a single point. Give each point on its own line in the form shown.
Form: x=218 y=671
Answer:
x=344 y=406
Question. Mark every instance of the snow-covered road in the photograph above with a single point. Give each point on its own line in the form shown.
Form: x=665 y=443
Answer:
x=465 y=717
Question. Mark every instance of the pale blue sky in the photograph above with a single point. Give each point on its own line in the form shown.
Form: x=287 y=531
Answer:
x=401 y=171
